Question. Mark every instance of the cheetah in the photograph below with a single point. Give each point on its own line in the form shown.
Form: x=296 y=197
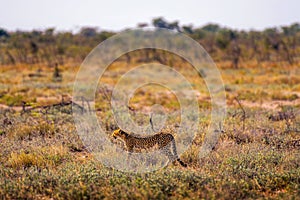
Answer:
x=163 y=140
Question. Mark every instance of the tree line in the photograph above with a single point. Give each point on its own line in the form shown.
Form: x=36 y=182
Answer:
x=50 y=47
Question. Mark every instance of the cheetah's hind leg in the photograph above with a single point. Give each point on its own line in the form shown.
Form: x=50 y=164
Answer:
x=167 y=152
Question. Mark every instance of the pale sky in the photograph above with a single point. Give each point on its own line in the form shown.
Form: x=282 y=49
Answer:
x=118 y=15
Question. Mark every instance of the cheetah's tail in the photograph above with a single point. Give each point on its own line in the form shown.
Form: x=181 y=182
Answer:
x=181 y=163
x=176 y=155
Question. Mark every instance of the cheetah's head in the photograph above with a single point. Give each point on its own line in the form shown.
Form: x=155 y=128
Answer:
x=118 y=133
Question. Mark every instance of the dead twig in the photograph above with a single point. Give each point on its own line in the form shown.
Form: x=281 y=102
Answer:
x=243 y=112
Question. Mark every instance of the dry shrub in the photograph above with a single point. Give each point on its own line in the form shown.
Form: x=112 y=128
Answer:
x=292 y=80
x=296 y=88
x=39 y=157
x=23 y=159
x=239 y=137
x=278 y=95
x=26 y=131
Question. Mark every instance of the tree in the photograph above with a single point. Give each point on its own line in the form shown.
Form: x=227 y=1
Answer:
x=88 y=32
x=174 y=26
x=291 y=30
x=211 y=28
x=188 y=29
x=3 y=33
x=224 y=38
x=162 y=23
x=159 y=23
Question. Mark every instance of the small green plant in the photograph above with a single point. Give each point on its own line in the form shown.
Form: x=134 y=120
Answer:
x=12 y=100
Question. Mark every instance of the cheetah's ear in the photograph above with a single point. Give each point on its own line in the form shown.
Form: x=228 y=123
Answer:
x=123 y=132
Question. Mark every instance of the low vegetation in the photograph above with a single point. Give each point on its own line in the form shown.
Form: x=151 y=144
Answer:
x=257 y=155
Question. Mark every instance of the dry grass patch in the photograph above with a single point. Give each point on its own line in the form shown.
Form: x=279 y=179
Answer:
x=22 y=131
x=39 y=157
